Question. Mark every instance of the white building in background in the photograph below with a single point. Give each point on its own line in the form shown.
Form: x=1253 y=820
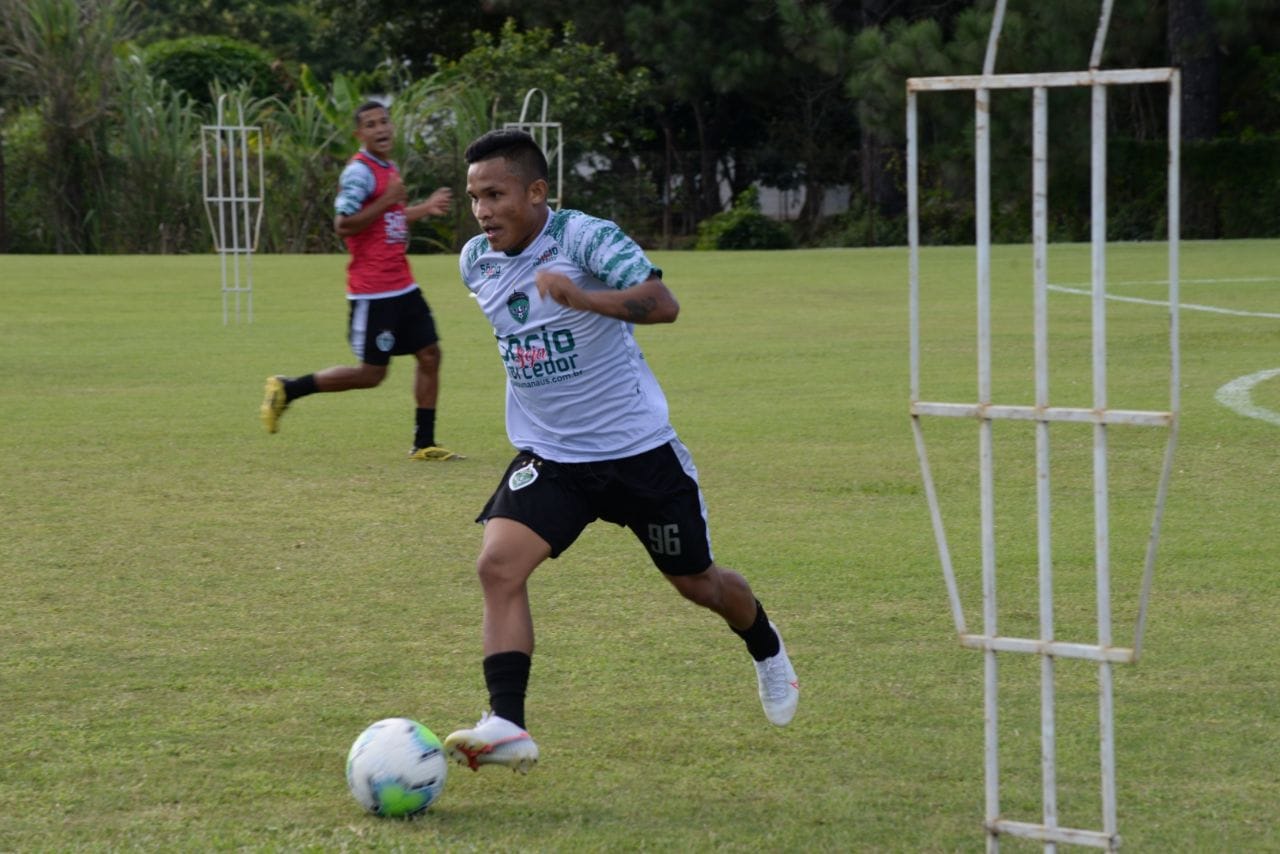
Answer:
x=785 y=205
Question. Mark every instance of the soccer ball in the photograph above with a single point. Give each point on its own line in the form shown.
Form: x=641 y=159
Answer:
x=396 y=768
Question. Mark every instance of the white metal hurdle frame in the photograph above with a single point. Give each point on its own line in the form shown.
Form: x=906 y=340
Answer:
x=539 y=130
x=1104 y=651
x=233 y=201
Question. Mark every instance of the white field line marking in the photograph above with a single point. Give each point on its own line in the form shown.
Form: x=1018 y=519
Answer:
x=1212 y=309
x=1237 y=394
x=1235 y=281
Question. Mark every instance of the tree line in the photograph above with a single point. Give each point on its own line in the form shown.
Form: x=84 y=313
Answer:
x=675 y=113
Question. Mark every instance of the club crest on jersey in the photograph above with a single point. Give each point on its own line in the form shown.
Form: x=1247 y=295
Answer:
x=518 y=305
x=385 y=341
x=522 y=477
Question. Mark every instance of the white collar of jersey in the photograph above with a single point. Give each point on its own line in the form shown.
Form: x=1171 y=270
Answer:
x=375 y=158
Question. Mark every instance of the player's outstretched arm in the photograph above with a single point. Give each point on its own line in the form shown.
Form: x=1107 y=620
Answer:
x=436 y=204
x=651 y=301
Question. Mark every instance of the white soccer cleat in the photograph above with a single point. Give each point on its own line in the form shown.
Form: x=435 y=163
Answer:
x=779 y=687
x=493 y=741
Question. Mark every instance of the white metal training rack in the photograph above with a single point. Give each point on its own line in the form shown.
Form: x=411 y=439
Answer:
x=1101 y=415
x=552 y=148
x=233 y=200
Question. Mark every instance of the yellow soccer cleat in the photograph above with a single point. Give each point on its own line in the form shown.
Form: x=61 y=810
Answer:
x=273 y=404
x=433 y=453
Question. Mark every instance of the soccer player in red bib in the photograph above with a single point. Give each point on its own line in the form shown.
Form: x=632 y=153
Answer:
x=389 y=316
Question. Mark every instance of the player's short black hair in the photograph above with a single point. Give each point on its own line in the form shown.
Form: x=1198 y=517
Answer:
x=366 y=107
x=515 y=146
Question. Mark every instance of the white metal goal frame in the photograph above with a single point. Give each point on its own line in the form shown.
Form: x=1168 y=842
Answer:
x=231 y=156
x=1101 y=415
x=549 y=136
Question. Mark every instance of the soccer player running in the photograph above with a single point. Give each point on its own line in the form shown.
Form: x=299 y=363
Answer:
x=389 y=316
x=562 y=291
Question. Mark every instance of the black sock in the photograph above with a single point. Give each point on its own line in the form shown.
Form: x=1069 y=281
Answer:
x=506 y=674
x=762 y=640
x=425 y=432
x=299 y=387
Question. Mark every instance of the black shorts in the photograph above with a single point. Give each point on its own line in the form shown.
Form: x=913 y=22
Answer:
x=655 y=494
x=392 y=326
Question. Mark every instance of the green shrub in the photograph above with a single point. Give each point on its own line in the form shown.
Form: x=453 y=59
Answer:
x=743 y=227
x=1230 y=189
x=194 y=63
x=30 y=221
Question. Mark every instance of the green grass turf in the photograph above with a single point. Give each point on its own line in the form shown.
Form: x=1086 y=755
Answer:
x=199 y=618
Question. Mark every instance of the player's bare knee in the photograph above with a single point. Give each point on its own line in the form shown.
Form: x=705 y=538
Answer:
x=704 y=597
x=429 y=358
x=498 y=575
x=370 y=376
x=701 y=589
x=488 y=570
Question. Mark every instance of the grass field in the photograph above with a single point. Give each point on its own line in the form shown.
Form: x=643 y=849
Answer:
x=198 y=618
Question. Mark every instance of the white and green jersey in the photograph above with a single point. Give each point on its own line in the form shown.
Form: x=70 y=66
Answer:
x=578 y=387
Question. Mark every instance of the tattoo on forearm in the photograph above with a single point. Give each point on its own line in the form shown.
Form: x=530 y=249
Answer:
x=639 y=309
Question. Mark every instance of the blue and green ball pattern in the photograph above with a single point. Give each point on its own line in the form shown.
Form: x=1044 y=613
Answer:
x=396 y=768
